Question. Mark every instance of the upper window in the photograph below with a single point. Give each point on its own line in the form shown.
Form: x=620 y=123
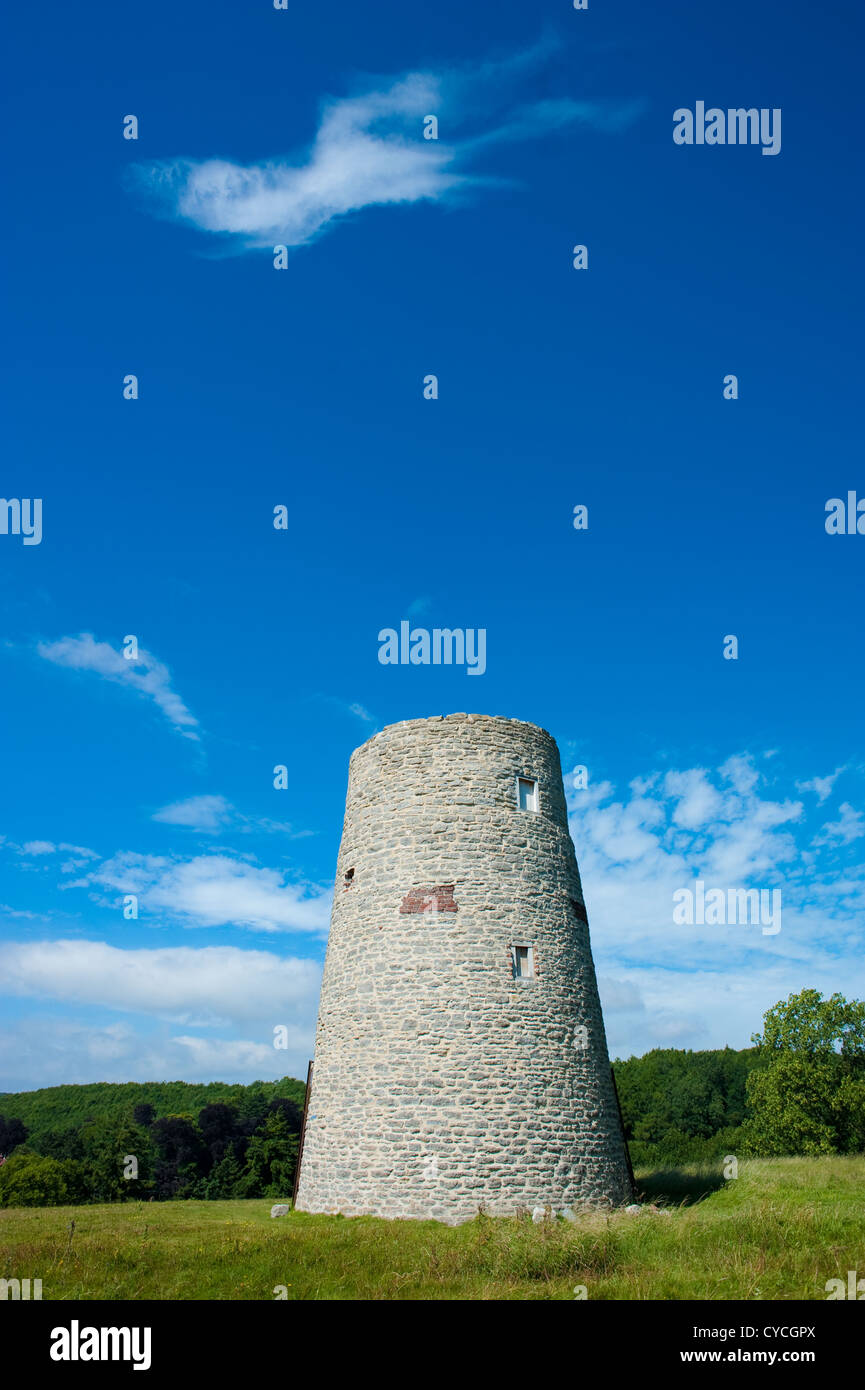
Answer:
x=527 y=794
x=524 y=966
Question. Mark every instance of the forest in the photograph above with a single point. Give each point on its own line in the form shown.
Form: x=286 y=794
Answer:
x=170 y=1140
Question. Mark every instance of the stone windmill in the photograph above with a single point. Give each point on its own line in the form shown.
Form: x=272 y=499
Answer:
x=460 y=1055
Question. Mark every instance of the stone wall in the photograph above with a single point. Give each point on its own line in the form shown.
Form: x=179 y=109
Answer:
x=442 y=1082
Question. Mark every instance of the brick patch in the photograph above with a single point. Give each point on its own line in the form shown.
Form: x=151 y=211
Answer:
x=438 y=899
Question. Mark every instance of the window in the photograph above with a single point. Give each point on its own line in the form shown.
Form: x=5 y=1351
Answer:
x=348 y=878
x=524 y=965
x=527 y=794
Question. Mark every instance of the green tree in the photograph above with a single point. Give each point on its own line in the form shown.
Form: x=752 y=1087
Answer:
x=108 y=1144
x=226 y=1179
x=681 y=1107
x=12 y=1133
x=59 y=1143
x=271 y=1157
x=180 y=1154
x=31 y=1180
x=809 y=1097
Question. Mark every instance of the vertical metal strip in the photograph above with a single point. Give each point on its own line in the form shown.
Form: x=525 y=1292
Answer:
x=302 y=1134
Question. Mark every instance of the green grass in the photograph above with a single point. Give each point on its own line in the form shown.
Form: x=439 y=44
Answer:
x=778 y=1231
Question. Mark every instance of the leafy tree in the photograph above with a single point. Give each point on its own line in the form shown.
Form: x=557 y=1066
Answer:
x=225 y=1180
x=79 y=1181
x=290 y=1109
x=60 y=1143
x=272 y=1157
x=680 y=1106
x=12 y=1133
x=108 y=1145
x=253 y=1107
x=810 y=1096
x=808 y=1024
x=31 y=1180
x=179 y=1154
x=220 y=1128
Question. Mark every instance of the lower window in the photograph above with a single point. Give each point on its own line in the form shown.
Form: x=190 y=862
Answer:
x=523 y=962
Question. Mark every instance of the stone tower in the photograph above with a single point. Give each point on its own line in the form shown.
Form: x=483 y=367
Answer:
x=460 y=1056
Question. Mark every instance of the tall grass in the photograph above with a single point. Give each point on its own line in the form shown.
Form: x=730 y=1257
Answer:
x=778 y=1231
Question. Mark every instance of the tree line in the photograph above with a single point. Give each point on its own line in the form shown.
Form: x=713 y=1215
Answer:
x=62 y=1107
x=246 y=1149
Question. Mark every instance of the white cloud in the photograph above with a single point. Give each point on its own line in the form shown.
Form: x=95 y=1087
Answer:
x=698 y=802
x=740 y=770
x=216 y=890
x=79 y=857
x=42 y=849
x=369 y=150
x=624 y=833
x=619 y=996
x=46 y=1051
x=208 y=813
x=822 y=786
x=210 y=986
x=704 y=986
x=225 y=1056
x=145 y=675
x=850 y=827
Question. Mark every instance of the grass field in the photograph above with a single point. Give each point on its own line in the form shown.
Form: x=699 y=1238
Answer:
x=778 y=1231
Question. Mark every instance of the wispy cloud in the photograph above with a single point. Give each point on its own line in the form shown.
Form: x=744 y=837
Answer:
x=850 y=826
x=208 y=813
x=38 y=848
x=352 y=707
x=369 y=150
x=144 y=674
x=421 y=604
x=211 y=814
x=821 y=786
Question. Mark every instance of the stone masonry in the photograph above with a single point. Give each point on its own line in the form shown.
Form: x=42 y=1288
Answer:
x=455 y=1068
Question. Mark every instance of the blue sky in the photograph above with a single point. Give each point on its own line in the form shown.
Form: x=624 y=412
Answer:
x=303 y=387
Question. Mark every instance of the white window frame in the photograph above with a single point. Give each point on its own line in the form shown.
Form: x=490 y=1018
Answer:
x=536 y=797
x=523 y=946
